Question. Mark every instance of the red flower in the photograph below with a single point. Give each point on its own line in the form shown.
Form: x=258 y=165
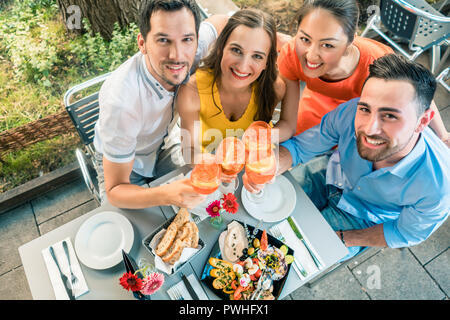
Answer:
x=229 y=203
x=131 y=281
x=214 y=208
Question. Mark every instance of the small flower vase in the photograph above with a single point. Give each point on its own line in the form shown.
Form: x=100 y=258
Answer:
x=216 y=222
x=130 y=266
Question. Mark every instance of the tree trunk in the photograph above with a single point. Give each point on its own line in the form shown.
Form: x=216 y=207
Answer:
x=102 y=14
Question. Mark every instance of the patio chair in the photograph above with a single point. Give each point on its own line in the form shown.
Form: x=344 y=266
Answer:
x=84 y=114
x=416 y=21
x=443 y=77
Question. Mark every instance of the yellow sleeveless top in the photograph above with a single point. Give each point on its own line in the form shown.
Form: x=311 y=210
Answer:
x=215 y=126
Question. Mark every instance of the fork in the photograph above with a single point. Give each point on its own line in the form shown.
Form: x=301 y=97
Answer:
x=196 y=219
x=177 y=295
x=297 y=265
x=73 y=278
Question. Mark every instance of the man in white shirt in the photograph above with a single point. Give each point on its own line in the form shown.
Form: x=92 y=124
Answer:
x=136 y=106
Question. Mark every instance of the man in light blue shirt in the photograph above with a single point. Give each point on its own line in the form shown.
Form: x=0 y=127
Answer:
x=388 y=182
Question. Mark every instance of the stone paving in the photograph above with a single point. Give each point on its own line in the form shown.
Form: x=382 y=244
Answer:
x=420 y=272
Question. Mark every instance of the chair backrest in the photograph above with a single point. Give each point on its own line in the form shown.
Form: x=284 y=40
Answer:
x=417 y=22
x=84 y=111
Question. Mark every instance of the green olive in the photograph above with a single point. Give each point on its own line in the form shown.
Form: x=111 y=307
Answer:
x=256 y=243
x=251 y=251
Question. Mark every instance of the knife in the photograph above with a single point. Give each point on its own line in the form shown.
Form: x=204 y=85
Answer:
x=63 y=276
x=299 y=235
x=189 y=287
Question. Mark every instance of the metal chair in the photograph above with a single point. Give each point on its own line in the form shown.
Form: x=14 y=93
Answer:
x=443 y=77
x=84 y=114
x=418 y=22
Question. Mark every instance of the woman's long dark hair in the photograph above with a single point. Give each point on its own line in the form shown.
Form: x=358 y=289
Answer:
x=266 y=97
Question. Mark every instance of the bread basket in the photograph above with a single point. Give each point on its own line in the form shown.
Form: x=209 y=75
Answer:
x=148 y=239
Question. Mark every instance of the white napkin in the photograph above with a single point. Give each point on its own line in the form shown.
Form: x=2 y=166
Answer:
x=301 y=254
x=182 y=290
x=165 y=267
x=55 y=277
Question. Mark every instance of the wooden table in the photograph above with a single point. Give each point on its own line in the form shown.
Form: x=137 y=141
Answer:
x=104 y=284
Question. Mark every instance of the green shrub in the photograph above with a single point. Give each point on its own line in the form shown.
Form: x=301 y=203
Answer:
x=95 y=53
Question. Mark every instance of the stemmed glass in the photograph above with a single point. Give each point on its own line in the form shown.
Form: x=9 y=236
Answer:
x=205 y=177
x=261 y=164
x=230 y=155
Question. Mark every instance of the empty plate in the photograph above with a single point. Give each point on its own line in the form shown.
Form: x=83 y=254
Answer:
x=101 y=238
x=277 y=202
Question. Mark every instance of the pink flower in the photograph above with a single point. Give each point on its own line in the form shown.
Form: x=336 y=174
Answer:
x=214 y=208
x=152 y=283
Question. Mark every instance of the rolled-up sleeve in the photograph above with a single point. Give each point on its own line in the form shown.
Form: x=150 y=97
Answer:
x=414 y=226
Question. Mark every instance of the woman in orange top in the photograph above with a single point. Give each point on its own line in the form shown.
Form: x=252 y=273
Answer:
x=331 y=60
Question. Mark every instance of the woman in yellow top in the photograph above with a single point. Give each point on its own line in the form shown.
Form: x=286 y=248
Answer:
x=236 y=84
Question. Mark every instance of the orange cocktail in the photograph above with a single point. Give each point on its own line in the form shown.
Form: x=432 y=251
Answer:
x=205 y=177
x=257 y=137
x=261 y=166
x=230 y=155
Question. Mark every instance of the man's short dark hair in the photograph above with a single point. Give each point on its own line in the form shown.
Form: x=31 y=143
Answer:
x=396 y=67
x=148 y=7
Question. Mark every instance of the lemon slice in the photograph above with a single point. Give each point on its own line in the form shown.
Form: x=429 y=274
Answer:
x=284 y=249
x=289 y=259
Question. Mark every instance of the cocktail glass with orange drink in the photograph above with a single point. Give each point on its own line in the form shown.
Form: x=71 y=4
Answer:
x=257 y=137
x=260 y=168
x=205 y=177
x=230 y=155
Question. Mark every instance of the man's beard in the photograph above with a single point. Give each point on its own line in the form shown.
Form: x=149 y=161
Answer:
x=380 y=154
x=182 y=76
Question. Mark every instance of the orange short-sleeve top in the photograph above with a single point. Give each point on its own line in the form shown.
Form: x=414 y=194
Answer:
x=319 y=97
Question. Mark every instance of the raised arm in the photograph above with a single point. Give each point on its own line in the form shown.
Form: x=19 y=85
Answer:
x=438 y=125
x=289 y=93
x=218 y=21
x=121 y=193
x=188 y=106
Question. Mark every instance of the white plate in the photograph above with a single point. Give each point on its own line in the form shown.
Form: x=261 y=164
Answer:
x=101 y=238
x=277 y=203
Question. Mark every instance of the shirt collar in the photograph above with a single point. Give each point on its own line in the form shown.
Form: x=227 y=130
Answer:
x=154 y=84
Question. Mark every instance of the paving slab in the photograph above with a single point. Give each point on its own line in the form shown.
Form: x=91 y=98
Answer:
x=17 y=227
x=439 y=270
x=445 y=115
x=14 y=285
x=394 y=274
x=340 y=285
x=68 y=216
x=55 y=202
x=437 y=243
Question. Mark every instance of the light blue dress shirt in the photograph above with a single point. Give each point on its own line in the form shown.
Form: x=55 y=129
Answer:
x=411 y=198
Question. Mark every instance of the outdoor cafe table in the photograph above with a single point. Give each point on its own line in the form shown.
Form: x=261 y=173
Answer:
x=104 y=284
